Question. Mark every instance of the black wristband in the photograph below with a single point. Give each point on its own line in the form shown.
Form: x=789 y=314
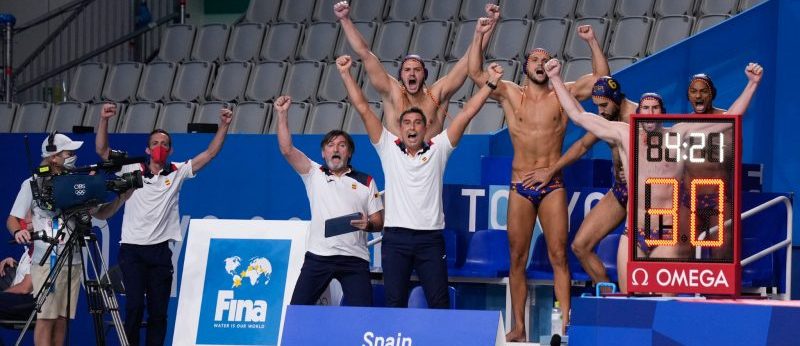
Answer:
x=490 y=85
x=369 y=226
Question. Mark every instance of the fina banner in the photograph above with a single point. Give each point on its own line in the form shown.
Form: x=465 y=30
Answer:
x=238 y=278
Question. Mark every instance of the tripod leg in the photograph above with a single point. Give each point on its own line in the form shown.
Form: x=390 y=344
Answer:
x=104 y=294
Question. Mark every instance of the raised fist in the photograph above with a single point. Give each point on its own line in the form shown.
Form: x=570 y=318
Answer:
x=585 y=32
x=492 y=12
x=484 y=24
x=225 y=115
x=341 y=9
x=753 y=71
x=109 y=110
x=282 y=104
x=495 y=72
x=552 y=68
x=343 y=63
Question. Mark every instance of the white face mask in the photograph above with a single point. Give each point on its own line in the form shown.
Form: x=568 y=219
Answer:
x=69 y=163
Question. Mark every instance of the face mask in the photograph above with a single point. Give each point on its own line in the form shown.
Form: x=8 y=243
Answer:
x=69 y=163
x=159 y=154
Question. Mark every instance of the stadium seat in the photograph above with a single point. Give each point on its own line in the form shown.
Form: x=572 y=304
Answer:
x=139 y=117
x=441 y=10
x=708 y=7
x=325 y=116
x=746 y=4
x=87 y=82
x=405 y=10
x=176 y=43
x=464 y=32
x=92 y=116
x=323 y=11
x=515 y=9
x=607 y=251
x=550 y=34
x=208 y=113
x=595 y=8
x=367 y=10
x=331 y=87
x=367 y=30
x=296 y=11
x=210 y=42
x=122 y=81
x=618 y=63
x=669 y=30
x=556 y=8
x=266 y=81
x=630 y=37
x=428 y=38
x=262 y=11
x=465 y=90
x=576 y=47
x=231 y=80
x=576 y=68
x=664 y=8
x=31 y=117
x=391 y=66
x=156 y=81
x=245 y=41
x=250 y=117
x=473 y=9
x=192 y=81
x=174 y=116
x=487 y=255
x=281 y=41
x=302 y=80
x=634 y=8
x=708 y=21
x=488 y=120
x=352 y=120
x=298 y=113
x=65 y=115
x=392 y=39
x=7 y=111
x=509 y=39
x=319 y=41
x=417 y=300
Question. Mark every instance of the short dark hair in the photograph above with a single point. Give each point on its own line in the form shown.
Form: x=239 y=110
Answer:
x=414 y=110
x=162 y=131
x=336 y=133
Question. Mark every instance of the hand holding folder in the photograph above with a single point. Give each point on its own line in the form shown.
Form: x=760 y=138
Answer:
x=341 y=225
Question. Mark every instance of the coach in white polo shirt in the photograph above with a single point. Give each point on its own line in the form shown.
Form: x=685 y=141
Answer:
x=414 y=172
x=333 y=190
x=151 y=222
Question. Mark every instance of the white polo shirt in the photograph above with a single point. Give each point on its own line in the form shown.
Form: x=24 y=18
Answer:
x=333 y=196
x=413 y=191
x=151 y=214
x=23 y=268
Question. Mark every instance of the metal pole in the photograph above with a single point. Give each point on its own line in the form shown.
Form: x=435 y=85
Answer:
x=7 y=22
x=183 y=11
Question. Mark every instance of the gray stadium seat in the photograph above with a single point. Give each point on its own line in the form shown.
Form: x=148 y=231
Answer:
x=576 y=68
x=708 y=21
x=391 y=41
x=296 y=10
x=176 y=43
x=156 y=81
x=707 y=7
x=31 y=117
x=139 y=117
x=92 y=116
x=174 y=116
x=367 y=10
x=618 y=63
x=634 y=8
x=746 y=4
x=466 y=89
x=367 y=30
x=7 y=111
x=391 y=67
x=281 y=41
x=441 y=10
x=331 y=87
x=262 y=11
x=509 y=39
x=556 y=8
x=250 y=117
x=595 y=8
x=515 y=9
x=473 y=9
x=630 y=37
x=87 y=82
x=550 y=34
x=464 y=32
x=352 y=120
x=434 y=68
x=576 y=47
x=669 y=30
x=191 y=81
x=298 y=113
x=302 y=80
x=429 y=39
x=210 y=42
x=489 y=119
x=323 y=11
x=65 y=115
x=208 y=113
x=266 y=81
x=245 y=41
x=123 y=79
x=325 y=116
x=319 y=41
x=405 y=10
x=231 y=81
x=664 y=8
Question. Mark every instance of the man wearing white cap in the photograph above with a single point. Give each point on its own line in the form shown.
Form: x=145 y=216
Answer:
x=58 y=153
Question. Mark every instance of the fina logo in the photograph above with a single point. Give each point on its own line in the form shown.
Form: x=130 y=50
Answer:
x=80 y=189
x=258 y=272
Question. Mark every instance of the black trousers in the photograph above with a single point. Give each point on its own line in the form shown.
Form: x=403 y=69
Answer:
x=318 y=271
x=405 y=250
x=146 y=271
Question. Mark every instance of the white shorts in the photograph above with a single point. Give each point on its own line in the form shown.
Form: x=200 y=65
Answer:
x=56 y=303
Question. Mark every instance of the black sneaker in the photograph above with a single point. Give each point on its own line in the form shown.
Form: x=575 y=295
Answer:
x=555 y=340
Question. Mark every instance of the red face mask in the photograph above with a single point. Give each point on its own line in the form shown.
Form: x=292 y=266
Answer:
x=159 y=154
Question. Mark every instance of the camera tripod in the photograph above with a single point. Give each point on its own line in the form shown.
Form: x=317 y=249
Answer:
x=99 y=292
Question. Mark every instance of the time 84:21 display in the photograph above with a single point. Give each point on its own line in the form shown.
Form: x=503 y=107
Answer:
x=684 y=205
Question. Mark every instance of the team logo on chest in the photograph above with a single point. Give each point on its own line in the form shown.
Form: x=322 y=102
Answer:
x=353 y=186
x=167 y=182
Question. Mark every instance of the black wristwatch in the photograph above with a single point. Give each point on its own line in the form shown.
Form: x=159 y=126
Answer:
x=491 y=85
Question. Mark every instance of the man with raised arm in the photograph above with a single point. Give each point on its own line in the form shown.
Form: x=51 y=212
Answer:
x=414 y=173
x=409 y=89
x=537 y=127
x=334 y=189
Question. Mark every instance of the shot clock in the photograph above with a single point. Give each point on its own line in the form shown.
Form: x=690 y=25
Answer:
x=684 y=207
